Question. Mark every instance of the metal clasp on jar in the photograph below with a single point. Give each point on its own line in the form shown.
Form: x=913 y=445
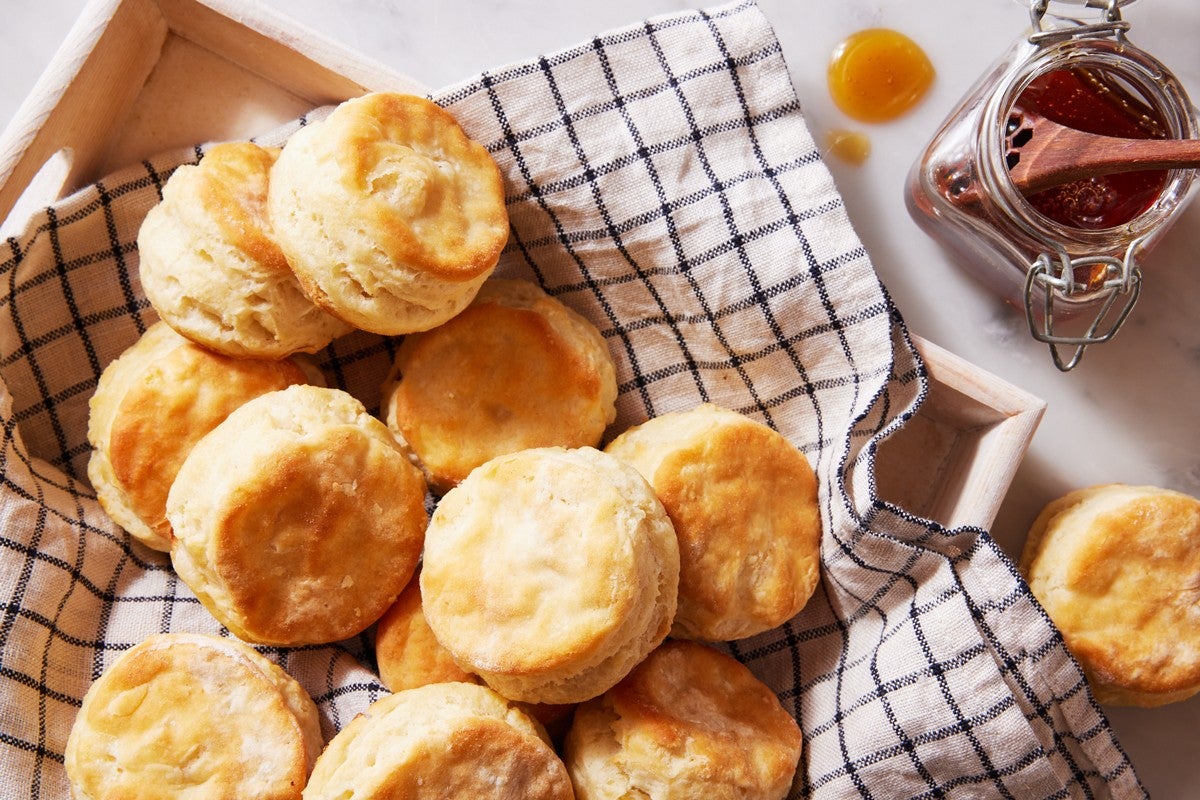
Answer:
x=1110 y=23
x=1110 y=280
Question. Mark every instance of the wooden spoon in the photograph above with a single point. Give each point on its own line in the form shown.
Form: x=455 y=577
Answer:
x=1043 y=153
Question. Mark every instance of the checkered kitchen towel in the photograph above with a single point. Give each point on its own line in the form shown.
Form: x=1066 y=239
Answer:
x=662 y=181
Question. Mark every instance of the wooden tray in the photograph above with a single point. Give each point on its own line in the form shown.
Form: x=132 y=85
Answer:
x=228 y=69
x=954 y=461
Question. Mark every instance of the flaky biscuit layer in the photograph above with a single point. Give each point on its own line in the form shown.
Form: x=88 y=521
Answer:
x=211 y=267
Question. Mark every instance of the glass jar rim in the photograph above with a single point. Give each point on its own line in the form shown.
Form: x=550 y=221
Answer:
x=1149 y=76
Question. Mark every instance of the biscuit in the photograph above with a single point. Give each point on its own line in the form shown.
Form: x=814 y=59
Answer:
x=298 y=520
x=187 y=715
x=151 y=405
x=743 y=501
x=389 y=215
x=1117 y=568
x=688 y=723
x=516 y=369
x=210 y=266
x=550 y=573
x=436 y=741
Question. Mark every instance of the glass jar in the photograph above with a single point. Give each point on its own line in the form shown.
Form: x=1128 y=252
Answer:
x=1076 y=278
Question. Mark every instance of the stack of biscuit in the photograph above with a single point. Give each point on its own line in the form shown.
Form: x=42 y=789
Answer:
x=390 y=216
x=152 y=405
x=552 y=572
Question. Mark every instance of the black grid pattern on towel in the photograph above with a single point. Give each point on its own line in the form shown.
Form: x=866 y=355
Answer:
x=661 y=181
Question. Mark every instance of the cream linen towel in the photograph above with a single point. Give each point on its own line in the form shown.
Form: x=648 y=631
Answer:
x=661 y=180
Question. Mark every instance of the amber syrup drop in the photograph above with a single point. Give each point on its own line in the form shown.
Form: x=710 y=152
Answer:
x=878 y=74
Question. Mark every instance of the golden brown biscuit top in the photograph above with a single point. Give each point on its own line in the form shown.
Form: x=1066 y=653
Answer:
x=305 y=517
x=743 y=500
x=691 y=703
x=744 y=503
x=535 y=560
x=433 y=193
x=299 y=519
x=514 y=370
x=1118 y=570
x=180 y=715
x=169 y=404
x=229 y=186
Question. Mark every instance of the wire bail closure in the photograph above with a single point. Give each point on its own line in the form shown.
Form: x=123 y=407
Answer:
x=1110 y=23
x=1055 y=278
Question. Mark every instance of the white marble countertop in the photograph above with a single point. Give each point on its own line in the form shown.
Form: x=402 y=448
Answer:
x=1127 y=414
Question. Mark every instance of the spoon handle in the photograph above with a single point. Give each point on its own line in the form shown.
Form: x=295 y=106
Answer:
x=1056 y=155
